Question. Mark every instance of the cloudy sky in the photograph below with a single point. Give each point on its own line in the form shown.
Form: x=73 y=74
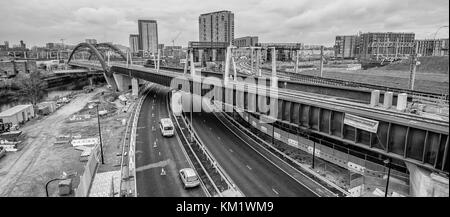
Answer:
x=308 y=21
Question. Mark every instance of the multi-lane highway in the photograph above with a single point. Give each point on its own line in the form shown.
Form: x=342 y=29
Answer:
x=253 y=174
x=167 y=153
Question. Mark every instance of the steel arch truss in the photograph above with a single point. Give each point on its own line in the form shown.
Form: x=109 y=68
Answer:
x=99 y=51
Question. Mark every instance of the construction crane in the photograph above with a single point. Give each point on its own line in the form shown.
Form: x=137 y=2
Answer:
x=176 y=37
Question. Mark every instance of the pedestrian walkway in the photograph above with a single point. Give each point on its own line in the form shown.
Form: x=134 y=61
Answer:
x=102 y=184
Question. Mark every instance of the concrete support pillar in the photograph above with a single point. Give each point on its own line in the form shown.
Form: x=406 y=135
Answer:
x=274 y=69
x=191 y=60
x=91 y=81
x=186 y=62
x=226 y=74
x=258 y=62
x=128 y=58
x=321 y=61
x=214 y=55
x=424 y=183
x=251 y=60
x=157 y=60
x=200 y=57
x=296 y=61
x=123 y=82
x=154 y=61
x=402 y=101
x=108 y=54
x=374 y=98
x=134 y=87
x=388 y=96
x=234 y=68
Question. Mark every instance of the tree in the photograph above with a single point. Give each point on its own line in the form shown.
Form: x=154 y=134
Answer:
x=31 y=87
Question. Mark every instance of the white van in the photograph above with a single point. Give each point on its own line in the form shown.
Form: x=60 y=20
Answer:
x=166 y=127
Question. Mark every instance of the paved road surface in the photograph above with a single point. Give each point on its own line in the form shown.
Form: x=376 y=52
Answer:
x=168 y=153
x=253 y=174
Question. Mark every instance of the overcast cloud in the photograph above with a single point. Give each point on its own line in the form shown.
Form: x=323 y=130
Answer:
x=308 y=21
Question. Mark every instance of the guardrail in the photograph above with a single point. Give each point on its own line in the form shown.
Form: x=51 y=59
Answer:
x=132 y=151
x=211 y=192
x=211 y=158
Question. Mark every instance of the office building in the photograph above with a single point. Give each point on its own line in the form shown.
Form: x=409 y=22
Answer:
x=134 y=43
x=432 y=47
x=385 y=45
x=346 y=46
x=216 y=27
x=148 y=36
x=247 y=41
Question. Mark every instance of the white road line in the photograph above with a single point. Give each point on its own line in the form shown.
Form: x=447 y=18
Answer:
x=275 y=191
x=249 y=167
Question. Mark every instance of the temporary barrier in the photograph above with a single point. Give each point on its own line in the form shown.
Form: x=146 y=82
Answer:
x=89 y=171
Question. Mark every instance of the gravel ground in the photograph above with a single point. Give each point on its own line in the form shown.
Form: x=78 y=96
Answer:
x=24 y=173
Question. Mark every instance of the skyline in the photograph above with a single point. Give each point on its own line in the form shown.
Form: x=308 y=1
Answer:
x=37 y=22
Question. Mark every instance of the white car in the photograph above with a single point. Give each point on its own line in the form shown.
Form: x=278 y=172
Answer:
x=166 y=127
x=189 y=178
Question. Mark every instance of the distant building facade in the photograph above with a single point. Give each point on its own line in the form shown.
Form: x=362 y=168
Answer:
x=173 y=51
x=216 y=27
x=91 y=41
x=432 y=47
x=148 y=36
x=5 y=46
x=247 y=41
x=54 y=46
x=134 y=43
x=284 y=51
x=208 y=51
x=385 y=45
x=346 y=46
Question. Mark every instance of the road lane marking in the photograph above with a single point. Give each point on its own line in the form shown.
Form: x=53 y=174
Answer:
x=249 y=167
x=276 y=192
x=153 y=165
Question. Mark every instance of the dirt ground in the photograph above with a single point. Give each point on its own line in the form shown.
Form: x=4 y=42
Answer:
x=25 y=172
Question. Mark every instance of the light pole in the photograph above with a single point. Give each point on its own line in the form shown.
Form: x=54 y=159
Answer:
x=314 y=153
x=99 y=132
x=387 y=162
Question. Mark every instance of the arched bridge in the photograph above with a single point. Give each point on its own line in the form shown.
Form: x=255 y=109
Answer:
x=98 y=58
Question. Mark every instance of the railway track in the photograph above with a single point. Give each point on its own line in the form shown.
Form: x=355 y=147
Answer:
x=418 y=95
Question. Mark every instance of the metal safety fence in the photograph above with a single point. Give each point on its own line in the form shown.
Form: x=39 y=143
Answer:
x=358 y=173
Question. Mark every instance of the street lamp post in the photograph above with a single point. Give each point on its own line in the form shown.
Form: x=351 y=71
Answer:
x=100 y=134
x=273 y=133
x=388 y=163
x=314 y=153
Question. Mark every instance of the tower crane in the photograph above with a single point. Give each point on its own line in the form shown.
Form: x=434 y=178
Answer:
x=175 y=38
